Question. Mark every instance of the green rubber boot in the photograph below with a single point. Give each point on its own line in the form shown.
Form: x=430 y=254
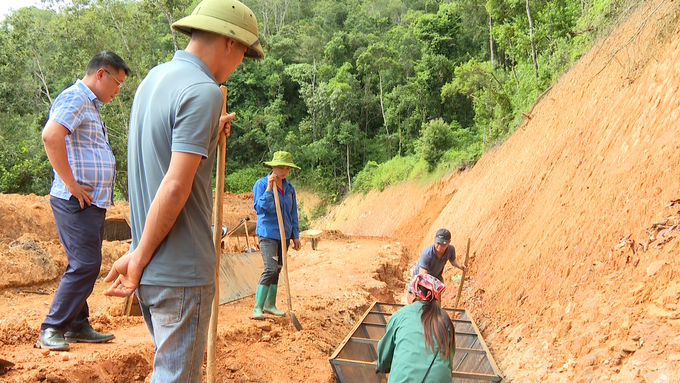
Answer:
x=270 y=303
x=260 y=297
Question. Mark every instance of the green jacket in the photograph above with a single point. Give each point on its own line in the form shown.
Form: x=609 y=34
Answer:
x=402 y=353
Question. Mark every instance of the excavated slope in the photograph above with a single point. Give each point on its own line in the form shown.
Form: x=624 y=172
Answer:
x=572 y=221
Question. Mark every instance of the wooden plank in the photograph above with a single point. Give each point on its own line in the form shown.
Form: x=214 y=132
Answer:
x=477 y=351
x=476 y=376
x=240 y=229
x=350 y=362
x=492 y=362
x=311 y=233
x=457 y=333
x=397 y=305
x=452 y=320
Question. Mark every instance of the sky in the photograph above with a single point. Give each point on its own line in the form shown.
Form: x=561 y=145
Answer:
x=7 y=5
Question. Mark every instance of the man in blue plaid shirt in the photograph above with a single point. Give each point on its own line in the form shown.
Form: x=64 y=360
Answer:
x=77 y=146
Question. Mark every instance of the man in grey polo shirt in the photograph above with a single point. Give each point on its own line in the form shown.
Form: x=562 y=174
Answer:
x=434 y=257
x=174 y=126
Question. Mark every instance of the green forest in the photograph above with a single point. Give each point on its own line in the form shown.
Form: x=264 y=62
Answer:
x=364 y=93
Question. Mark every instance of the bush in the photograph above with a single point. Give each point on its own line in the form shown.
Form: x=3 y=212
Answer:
x=319 y=210
x=303 y=220
x=454 y=158
x=242 y=180
x=436 y=140
x=375 y=176
x=24 y=167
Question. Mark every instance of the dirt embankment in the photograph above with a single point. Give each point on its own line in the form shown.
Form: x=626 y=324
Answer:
x=573 y=220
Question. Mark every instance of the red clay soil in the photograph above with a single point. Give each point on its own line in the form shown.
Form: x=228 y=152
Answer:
x=573 y=220
x=331 y=287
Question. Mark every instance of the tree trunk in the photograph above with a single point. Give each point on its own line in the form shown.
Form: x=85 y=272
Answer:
x=531 y=38
x=399 y=141
x=349 y=180
x=265 y=20
x=122 y=36
x=512 y=63
x=41 y=75
x=491 y=39
x=367 y=121
x=171 y=20
x=382 y=106
x=314 y=99
x=280 y=19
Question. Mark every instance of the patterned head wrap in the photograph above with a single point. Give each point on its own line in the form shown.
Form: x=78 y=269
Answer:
x=433 y=286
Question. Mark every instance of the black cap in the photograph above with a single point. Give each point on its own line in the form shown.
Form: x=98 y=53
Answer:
x=443 y=236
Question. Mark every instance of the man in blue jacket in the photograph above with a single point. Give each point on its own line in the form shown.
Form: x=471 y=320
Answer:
x=268 y=229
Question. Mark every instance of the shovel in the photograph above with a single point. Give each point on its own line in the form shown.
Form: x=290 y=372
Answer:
x=6 y=363
x=284 y=252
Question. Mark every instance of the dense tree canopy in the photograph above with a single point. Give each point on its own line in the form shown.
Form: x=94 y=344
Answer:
x=345 y=86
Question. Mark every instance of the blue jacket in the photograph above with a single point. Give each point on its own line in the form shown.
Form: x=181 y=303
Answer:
x=263 y=202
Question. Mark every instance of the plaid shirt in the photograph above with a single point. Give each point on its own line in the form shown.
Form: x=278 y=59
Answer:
x=87 y=144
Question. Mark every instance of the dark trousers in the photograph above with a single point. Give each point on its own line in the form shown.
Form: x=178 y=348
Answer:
x=81 y=232
x=272 y=258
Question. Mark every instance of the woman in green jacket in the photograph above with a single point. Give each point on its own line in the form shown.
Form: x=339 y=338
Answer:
x=419 y=340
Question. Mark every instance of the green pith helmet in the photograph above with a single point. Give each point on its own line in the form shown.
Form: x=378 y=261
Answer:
x=282 y=159
x=229 y=18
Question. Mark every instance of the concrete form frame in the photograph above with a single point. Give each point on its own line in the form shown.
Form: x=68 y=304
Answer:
x=354 y=361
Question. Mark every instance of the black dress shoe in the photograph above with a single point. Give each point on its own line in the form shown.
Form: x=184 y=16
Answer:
x=87 y=335
x=52 y=339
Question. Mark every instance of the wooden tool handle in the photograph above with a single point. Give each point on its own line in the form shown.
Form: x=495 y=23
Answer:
x=284 y=248
x=462 y=278
x=217 y=240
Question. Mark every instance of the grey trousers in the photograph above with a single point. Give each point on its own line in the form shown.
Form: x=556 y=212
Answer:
x=272 y=259
x=81 y=232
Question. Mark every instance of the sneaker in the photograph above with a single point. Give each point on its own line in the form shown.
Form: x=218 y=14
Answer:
x=52 y=338
x=87 y=335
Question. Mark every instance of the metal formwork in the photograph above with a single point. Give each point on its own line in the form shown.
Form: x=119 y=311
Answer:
x=239 y=273
x=354 y=361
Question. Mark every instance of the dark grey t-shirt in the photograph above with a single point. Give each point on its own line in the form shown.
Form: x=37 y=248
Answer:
x=176 y=109
x=435 y=266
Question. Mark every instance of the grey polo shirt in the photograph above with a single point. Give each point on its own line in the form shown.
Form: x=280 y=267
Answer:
x=434 y=265
x=175 y=109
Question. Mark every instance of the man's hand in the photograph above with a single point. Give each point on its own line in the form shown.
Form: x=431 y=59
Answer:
x=225 y=123
x=459 y=265
x=271 y=181
x=126 y=272
x=81 y=192
x=296 y=244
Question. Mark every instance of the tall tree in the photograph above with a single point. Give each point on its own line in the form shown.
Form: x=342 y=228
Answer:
x=377 y=59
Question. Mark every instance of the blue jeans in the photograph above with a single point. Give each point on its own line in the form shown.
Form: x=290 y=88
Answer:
x=272 y=258
x=178 y=319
